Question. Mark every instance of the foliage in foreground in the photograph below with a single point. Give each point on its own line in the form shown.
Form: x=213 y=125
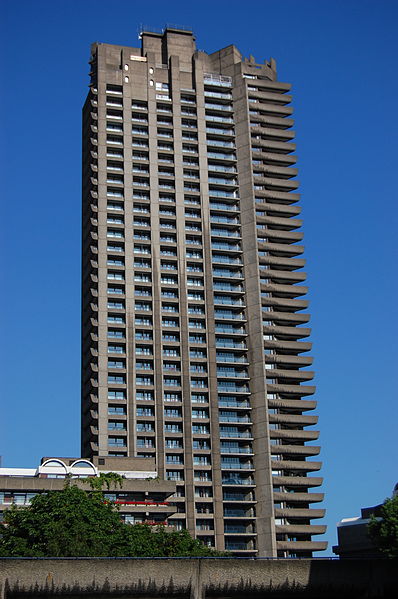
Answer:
x=384 y=531
x=78 y=523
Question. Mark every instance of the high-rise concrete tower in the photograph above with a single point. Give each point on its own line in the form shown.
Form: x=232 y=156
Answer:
x=193 y=346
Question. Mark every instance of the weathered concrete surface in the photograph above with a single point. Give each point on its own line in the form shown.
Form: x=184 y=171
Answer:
x=198 y=578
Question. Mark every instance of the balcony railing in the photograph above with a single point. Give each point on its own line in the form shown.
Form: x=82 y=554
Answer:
x=237 y=466
x=237 y=419
x=237 y=481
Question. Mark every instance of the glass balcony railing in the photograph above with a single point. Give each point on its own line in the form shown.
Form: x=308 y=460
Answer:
x=236 y=450
x=221 y=193
x=211 y=118
x=219 y=286
x=220 y=143
x=237 y=419
x=224 y=107
x=233 y=404
x=237 y=374
x=228 y=343
x=236 y=466
x=235 y=434
x=237 y=481
x=218 y=80
x=219 y=131
x=237 y=530
x=225 y=233
x=222 y=95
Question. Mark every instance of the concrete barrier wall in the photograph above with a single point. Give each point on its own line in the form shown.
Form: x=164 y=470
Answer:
x=198 y=578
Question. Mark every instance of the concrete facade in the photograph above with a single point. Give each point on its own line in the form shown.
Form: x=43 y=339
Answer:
x=193 y=344
x=198 y=578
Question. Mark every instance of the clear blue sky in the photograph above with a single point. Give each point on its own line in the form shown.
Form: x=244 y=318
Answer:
x=341 y=57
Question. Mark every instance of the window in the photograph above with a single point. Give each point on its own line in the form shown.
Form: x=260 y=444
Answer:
x=161 y=86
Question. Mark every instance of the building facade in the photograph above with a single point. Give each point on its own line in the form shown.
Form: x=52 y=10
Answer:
x=141 y=498
x=194 y=351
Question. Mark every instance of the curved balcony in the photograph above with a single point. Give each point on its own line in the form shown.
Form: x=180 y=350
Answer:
x=301 y=405
x=276 y=121
x=281 y=276
x=302 y=450
x=298 y=498
x=265 y=210
x=281 y=359
x=298 y=419
x=283 y=197
x=283 y=319
x=280 y=249
x=275 y=158
x=296 y=434
x=275 y=183
x=273 y=97
x=297 y=481
x=299 y=466
x=298 y=390
x=279 y=235
x=311 y=529
x=291 y=291
x=306 y=513
x=286 y=224
x=293 y=304
x=283 y=147
x=283 y=332
x=297 y=346
x=295 y=546
x=290 y=376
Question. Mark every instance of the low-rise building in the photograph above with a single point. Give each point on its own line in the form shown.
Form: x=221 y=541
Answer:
x=142 y=497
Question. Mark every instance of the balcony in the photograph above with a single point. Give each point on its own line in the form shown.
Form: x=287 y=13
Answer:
x=228 y=434
x=225 y=403
x=244 y=450
x=236 y=466
x=221 y=300
x=224 y=207
x=217 y=80
x=230 y=344
x=234 y=419
x=306 y=546
x=220 y=143
x=237 y=481
x=219 y=95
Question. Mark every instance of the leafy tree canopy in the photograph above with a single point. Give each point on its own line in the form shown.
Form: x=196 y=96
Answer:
x=78 y=523
x=384 y=529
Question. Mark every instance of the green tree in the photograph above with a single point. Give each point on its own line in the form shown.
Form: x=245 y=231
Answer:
x=384 y=528
x=105 y=479
x=79 y=523
x=66 y=523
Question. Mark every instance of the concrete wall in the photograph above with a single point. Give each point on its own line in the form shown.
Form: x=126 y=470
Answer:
x=197 y=578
